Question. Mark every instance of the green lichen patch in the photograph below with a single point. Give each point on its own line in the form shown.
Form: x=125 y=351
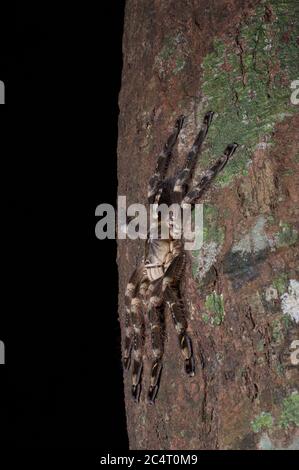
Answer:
x=262 y=422
x=206 y=318
x=213 y=238
x=282 y=296
x=287 y=235
x=172 y=58
x=179 y=65
x=279 y=328
x=280 y=369
x=246 y=81
x=168 y=48
x=195 y=267
x=290 y=411
x=280 y=283
x=289 y=416
x=277 y=331
x=287 y=172
x=212 y=230
x=286 y=321
x=214 y=305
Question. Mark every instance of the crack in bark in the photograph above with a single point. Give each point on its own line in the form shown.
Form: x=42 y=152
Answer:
x=241 y=52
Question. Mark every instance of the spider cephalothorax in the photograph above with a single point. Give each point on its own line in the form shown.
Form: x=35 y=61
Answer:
x=155 y=283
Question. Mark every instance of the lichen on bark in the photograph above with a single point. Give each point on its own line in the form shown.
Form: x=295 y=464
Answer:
x=246 y=80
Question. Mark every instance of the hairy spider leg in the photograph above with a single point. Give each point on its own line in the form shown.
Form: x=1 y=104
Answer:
x=177 y=310
x=172 y=297
x=155 y=314
x=138 y=343
x=133 y=287
x=139 y=337
x=197 y=191
x=185 y=176
x=163 y=161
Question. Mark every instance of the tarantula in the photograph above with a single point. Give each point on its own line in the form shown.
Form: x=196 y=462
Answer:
x=155 y=283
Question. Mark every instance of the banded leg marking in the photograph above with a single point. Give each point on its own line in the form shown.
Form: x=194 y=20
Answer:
x=177 y=311
x=134 y=285
x=157 y=338
x=138 y=342
x=163 y=160
x=186 y=174
x=206 y=180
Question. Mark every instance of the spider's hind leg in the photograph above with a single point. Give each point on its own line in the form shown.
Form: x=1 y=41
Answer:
x=163 y=161
x=155 y=313
x=135 y=288
x=137 y=314
x=177 y=309
x=138 y=341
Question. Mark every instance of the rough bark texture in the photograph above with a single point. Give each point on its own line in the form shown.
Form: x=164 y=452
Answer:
x=237 y=58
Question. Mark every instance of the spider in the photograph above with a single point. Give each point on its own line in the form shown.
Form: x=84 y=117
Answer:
x=155 y=283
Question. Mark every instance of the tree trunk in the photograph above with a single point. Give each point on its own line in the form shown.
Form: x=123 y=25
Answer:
x=237 y=58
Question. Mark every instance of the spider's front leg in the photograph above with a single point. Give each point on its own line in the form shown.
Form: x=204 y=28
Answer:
x=185 y=175
x=206 y=180
x=176 y=306
x=163 y=160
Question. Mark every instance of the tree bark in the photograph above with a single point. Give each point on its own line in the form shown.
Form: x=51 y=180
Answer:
x=237 y=58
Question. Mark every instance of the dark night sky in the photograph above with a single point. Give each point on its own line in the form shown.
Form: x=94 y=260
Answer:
x=63 y=377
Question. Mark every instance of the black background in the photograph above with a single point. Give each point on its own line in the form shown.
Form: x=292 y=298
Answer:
x=61 y=387
x=62 y=380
